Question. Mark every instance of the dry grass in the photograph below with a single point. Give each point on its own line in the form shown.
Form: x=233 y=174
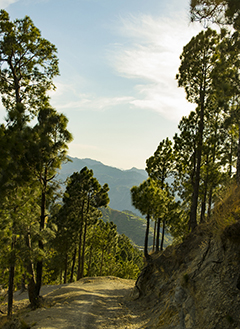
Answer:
x=227 y=210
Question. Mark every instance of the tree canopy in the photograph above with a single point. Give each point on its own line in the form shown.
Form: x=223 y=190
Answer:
x=216 y=11
x=28 y=64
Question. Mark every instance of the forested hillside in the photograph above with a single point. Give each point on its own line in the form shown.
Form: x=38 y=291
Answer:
x=132 y=226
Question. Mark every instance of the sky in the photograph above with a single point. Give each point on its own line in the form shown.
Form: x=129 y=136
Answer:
x=118 y=61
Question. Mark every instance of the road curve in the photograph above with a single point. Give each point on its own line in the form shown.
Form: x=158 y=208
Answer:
x=91 y=303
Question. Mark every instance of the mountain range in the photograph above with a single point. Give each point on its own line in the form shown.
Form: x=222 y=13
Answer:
x=119 y=181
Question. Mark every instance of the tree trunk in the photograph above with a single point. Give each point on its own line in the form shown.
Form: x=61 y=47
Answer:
x=32 y=291
x=203 y=207
x=194 y=205
x=83 y=250
x=238 y=158
x=210 y=193
x=11 y=272
x=146 y=238
x=158 y=234
x=16 y=81
x=42 y=225
x=39 y=276
x=163 y=233
x=210 y=203
x=84 y=240
x=154 y=236
x=73 y=264
x=231 y=156
x=90 y=261
x=23 y=285
x=80 y=242
x=10 y=290
x=65 y=269
x=79 y=254
x=79 y=258
x=101 y=263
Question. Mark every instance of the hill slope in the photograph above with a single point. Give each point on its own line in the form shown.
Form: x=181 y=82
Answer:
x=132 y=226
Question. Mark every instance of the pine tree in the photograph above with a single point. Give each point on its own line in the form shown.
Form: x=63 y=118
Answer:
x=198 y=61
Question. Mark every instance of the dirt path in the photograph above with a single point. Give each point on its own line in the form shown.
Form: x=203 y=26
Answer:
x=90 y=303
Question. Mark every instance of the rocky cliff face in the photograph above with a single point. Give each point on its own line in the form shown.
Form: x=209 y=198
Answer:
x=194 y=285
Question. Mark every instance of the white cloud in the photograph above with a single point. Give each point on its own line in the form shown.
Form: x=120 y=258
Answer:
x=67 y=96
x=149 y=56
x=152 y=56
x=93 y=102
x=5 y=3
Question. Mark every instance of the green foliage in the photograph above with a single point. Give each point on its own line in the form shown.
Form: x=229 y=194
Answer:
x=198 y=60
x=32 y=152
x=148 y=198
x=185 y=156
x=160 y=166
x=80 y=211
x=106 y=253
x=113 y=254
x=28 y=64
x=100 y=249
x=203 y=151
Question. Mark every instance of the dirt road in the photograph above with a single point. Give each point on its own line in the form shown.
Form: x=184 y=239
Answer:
x=91 y=303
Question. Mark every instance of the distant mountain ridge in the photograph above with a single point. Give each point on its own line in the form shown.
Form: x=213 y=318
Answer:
x=119 y=181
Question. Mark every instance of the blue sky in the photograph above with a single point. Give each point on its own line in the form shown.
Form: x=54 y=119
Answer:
x=118 y=60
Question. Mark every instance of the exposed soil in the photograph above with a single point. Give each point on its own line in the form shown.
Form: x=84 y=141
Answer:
x=91 y=303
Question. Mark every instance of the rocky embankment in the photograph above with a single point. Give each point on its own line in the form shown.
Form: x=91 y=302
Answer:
x=196 y=284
